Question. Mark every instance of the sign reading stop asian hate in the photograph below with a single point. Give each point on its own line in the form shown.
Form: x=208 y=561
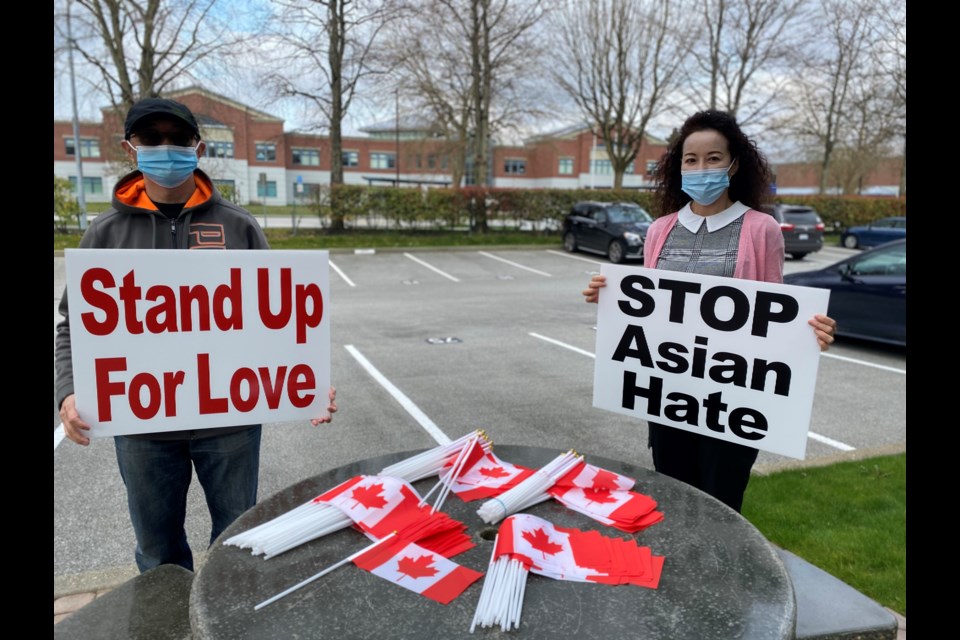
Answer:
x=726 y=358
x=166 y=340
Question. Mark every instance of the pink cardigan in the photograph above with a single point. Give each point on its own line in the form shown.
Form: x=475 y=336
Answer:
x=760 y=253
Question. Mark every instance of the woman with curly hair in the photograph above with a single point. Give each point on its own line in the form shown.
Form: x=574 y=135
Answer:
x=710 y=185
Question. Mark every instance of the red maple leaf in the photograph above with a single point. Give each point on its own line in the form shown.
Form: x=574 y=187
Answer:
x=540 y=541
x=370 y=496
x=419 y=568
x=605 y=480
x=493 y=472
x=598 y=494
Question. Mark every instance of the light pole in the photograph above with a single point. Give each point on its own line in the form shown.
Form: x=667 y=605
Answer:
x=81 y=196
x=397 y=133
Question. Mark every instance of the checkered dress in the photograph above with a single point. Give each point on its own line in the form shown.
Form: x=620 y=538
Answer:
x=703 y=252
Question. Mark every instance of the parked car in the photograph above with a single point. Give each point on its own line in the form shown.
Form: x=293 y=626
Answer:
x=877 y=232
x=801 y=226
x=868 y=292
x=614 y=229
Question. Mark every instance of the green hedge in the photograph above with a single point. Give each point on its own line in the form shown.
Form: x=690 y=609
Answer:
x=387 y=208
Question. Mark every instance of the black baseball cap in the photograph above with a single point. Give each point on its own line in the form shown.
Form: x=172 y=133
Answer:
x=158 y=106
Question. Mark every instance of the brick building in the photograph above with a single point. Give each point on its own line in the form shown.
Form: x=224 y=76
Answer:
x=249 y=152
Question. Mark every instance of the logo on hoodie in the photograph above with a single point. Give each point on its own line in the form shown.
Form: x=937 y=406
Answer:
x=204 y=235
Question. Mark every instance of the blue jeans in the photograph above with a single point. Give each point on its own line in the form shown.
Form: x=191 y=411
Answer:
x=157 y=474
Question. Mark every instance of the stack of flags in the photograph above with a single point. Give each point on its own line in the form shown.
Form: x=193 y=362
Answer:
x=606 y=497
x=526 y=543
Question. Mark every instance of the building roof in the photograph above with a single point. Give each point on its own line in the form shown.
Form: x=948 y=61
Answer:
x=406 y=123
x=573 y=130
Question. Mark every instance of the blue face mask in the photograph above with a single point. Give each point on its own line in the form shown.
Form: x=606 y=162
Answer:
x=167 y=165
x=705 y=186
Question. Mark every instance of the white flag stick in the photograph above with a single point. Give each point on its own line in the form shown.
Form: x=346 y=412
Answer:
x=455 y=472
x=349 y=558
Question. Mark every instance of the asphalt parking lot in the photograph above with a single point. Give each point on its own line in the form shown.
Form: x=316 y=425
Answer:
x=445 y=342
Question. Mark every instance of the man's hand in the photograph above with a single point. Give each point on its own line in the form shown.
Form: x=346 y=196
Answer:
x=331 y=409
x=73 y=426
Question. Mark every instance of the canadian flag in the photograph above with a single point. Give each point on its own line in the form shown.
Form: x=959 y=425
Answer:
x=606 y=497
x=487 y=476
x=571 y=554
x=419 y=570
x=378 y=504
x=542 y=547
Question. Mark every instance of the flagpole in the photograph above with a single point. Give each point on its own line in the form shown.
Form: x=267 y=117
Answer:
x=349 y=558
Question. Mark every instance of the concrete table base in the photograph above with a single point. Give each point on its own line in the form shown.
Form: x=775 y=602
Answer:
x=721 y=578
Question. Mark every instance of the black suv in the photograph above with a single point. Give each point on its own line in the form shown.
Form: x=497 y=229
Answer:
x=614 y=229
x=802 y=228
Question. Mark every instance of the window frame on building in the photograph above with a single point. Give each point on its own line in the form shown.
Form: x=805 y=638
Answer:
x=87 y=146
x=354 y=158
x=297 y=155
x=389 y=156
x=565 y=160
x=219 y=149
x=267 y=191
x=515 y=166
x=268 y=149
x=92 y=185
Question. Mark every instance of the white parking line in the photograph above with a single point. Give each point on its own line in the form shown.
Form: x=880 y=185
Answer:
x=399 y=396
x=832 y=443
x=562 y=344
x=573 y=257
x=58 y=436
x=810 y=434
x=864 y=363
x=431 y=267
x=342 y=274
x=519 y=266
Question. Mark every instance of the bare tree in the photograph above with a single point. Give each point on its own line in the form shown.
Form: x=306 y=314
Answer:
x=143 y=48
x=619 y=60
x=467 y=64
x=325 y=52
x=742 y=46
x=836 y=91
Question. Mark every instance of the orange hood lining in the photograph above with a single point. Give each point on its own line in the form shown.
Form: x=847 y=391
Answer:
x=134 y=193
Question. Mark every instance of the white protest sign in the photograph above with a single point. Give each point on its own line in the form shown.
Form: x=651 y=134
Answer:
x=727 y=358
x=166 y=340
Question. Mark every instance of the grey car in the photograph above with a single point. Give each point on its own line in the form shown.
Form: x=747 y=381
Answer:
x=802 y=228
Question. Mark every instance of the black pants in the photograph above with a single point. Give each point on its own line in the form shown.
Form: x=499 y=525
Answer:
x=716 y=467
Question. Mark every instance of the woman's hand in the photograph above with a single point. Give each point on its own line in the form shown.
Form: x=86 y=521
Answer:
x=592 y=292
x=824 y=327
x=331 y=409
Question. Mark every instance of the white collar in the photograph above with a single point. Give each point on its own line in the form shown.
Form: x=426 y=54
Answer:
x=692 y=221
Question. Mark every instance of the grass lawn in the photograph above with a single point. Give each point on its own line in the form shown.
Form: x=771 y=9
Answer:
x=848 y=519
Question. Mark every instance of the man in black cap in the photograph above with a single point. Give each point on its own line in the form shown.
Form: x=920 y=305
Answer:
x=168 y=203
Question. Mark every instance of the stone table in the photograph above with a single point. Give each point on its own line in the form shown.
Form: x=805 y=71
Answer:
x=721 y=578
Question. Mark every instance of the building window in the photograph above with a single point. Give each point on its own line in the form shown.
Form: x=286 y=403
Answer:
x=350 y=158
x=515 y=166
x=309 y=157
x=91 y=186
x=383 y=161
x=266 y=152
x=651 y=167
x=269 y=192
x=431 y=161
x=89 y=147
x=218 y=149
x=227 y=188
x=601 y=167
x=566 y=166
